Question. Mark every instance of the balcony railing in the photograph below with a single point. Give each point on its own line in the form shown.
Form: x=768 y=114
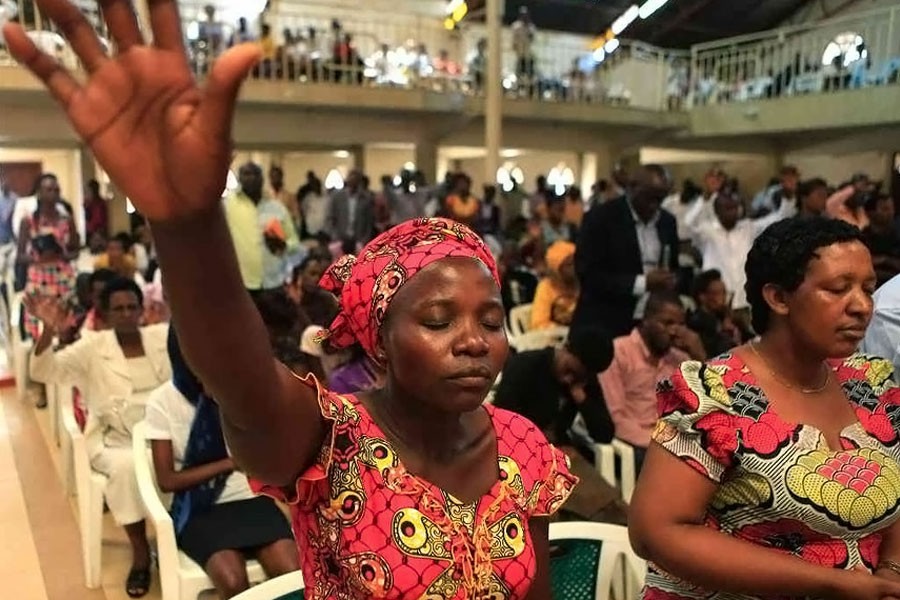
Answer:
x=851 y=52
x=407 y=51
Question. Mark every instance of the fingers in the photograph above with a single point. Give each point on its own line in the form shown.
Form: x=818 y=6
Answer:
x=122 y=24
x=166 y=23
x=60 y=83
x=222 y=88
x=77 y=30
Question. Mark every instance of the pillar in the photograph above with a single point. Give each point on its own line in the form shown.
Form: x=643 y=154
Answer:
x=493 y=103
x=358 y=154
x=426 y=159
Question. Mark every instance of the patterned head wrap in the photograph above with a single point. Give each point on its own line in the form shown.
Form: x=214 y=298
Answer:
x=365 y=286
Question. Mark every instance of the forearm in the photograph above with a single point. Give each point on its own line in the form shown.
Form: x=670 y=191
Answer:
x=220 y=330
x=714 y=561
x=177 y=481
x=45 y=341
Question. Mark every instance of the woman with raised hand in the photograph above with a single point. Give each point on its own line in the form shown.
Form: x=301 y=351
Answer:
x=412 y=490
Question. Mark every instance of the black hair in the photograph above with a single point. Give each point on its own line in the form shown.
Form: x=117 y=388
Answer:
x=809 y=186
x=125 y=239
x=659 y=300
x=592 y=345
x=872 y=201
x=781 y=255
x=704 y=280
x=309 y=259
x=103 y=276
x=279 y=313
x=40 y=179
x=120 y=284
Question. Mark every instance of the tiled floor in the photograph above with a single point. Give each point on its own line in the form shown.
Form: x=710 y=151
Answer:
x=40 y=557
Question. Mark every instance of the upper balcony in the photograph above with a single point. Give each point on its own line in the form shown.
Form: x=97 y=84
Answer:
x=832 y=75
x=401 y=76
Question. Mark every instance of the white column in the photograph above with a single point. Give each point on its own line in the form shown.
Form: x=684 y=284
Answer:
x=493 y=104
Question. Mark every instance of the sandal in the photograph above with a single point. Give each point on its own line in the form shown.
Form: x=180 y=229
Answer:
x=138 y=583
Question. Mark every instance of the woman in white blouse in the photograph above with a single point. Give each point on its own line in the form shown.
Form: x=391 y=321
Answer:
x=219 y=521
x=116 y=369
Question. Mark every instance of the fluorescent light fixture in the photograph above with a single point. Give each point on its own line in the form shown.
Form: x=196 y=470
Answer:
x=611 y=46
x=627 y=18
x=599 y=55
x=651 y=6
x=341 y=154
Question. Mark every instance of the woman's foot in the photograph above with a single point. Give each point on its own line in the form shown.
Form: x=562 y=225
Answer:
x=138 y=583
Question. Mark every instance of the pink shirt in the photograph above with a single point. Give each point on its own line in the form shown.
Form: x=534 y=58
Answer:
x=629 y=387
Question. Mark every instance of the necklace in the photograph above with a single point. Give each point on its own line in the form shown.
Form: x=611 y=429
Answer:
x=787 y=384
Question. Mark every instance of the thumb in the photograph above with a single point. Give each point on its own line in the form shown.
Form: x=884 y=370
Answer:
x=222 y=87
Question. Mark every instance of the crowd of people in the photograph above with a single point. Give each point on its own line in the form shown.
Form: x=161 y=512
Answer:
x=333 y=351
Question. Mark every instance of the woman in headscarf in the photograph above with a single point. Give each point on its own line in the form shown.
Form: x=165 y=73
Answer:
x=218 y=520
x=415 y=489
x=557 y=293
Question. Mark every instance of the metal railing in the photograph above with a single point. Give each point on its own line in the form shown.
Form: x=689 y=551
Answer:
x=850 y=52
x=401 y=50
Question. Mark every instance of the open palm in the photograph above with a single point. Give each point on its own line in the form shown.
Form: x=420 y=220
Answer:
x=162 y=139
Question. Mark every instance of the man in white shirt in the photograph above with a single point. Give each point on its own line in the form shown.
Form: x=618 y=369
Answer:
x=883 y=335
x=725 y=240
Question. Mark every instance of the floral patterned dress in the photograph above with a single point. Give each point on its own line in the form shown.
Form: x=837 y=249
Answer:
x=368 y=528
x=780 y=485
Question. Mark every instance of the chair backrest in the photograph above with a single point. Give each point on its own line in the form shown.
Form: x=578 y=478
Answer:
x=583 y=553
x=282 y=587
x=152 y=500
x=539 y=339
x=520 y=319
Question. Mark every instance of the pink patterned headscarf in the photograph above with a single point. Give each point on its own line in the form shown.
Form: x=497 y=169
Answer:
x=365 y=286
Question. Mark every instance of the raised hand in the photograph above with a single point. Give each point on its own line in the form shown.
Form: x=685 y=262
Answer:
x=164 y=141
x=50 y=311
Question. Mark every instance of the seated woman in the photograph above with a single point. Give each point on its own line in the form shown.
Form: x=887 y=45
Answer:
x=557 y=293
x=116 y=369
x=118 y=257
x=784 y=454
x=219 y=522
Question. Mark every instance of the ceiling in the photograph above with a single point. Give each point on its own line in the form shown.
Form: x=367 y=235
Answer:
x=678 y=24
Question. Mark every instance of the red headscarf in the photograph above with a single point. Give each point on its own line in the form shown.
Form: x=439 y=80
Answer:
x=365 y=286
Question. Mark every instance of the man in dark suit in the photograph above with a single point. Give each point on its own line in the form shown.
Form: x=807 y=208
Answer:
x=627 y=248
x=351 y=213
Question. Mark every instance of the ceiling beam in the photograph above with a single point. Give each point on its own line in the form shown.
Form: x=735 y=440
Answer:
x=679 y=19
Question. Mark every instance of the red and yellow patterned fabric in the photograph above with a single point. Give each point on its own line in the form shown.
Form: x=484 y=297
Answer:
x=366 y=285
x=780 y=485
x=368 y=528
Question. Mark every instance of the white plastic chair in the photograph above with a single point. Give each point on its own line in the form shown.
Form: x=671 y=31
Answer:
x=180 y=577
x=620 y=572
x=274 y=588
x=21 y=349
x=520 y=319
x=539 y=339
x=89 y=486
x=605 y=456
x=65 y=406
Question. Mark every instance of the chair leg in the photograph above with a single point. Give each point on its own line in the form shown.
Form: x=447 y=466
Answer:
x=92 y=537
x=68 y=465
